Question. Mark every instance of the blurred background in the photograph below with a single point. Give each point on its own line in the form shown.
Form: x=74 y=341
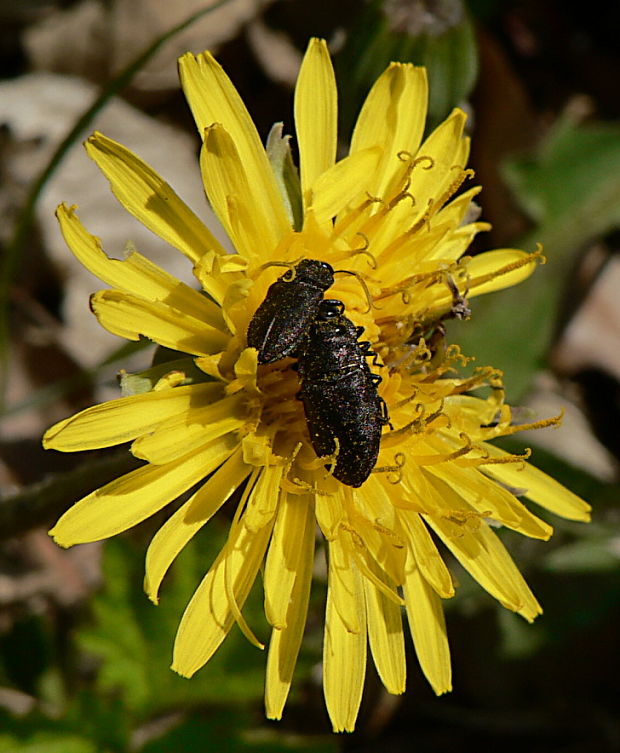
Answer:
x=84 y=656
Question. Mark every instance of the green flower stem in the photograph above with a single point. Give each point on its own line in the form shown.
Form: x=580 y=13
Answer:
x=42 y=503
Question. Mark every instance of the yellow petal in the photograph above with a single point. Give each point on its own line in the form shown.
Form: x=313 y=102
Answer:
x=329 y=513
x=135 y=496
x=297 y=556
x=265 y=497
x=185 y=432
x=428 y=630
x=379 y=528
x=136 y=274
x=495 y=270
x=130 y=317
x=213 y=99
x=209 y=616
x=234 y=197
x=148 y=197
x=122 y=420
x=440 y=161
x=447 y=149
x=538 y=486
x=295 y=520
x=478 y=549
x=344 y=580
x=316 y=114
x=385 y=636
x=493 y=501
x=338 y=185
x=426 y=556
x=392 y=117
x=483 y=555
x=344 y=651
x=178 y=530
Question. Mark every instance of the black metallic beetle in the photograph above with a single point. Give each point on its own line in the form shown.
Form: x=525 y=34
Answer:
x=289 y=308
x=339 y=394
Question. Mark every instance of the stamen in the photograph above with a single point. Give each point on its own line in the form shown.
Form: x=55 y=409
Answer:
x=470 y=519
x=483 y=376
x=399 y=460
x=296 y=486
x=401 y=195
x=351 y=216
x=333 y=458
x=443 y=458
x=405 y=156
x=455 y=185
x=536 y=256
x=404 y=401
x=512 y=458
x=542 y=424
x=415 y=426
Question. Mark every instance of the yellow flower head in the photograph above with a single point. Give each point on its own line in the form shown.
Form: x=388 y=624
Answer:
x=390 y=215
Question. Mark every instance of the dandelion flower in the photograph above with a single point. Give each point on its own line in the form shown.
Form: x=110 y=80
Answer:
x=391 y=212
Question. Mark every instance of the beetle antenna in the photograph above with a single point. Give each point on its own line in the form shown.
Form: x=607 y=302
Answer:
x=362 y=282
x=289 y=264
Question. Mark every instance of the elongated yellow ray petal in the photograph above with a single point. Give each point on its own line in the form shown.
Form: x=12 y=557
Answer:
x=392 y=117
x=179 y=529
x=538 y=486
x=130 y=499
x=502 y=268
x=493 y=501
x=136 y=274
x=385 y=636
x=285 y=641
x=187 y=431
x=341 y=183
x=483 y=555
x=208 y=616
x=148 y=197
x=476 y=547
x=316 y=114
x=426 y=556
x=428 y=629
x=344 y=581
x=344 y=651
x=126 y=418
x=232 y=192
x=130 y=317
x=294 y=523
x=213 y=99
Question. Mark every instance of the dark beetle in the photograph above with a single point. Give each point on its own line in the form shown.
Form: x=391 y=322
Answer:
x=339 y=394
x=289 y=308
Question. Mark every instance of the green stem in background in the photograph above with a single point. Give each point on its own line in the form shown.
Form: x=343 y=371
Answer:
x=13 y=252
x=40 y=504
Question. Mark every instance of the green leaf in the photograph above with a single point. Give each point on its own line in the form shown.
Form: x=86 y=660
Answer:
x=570 y=187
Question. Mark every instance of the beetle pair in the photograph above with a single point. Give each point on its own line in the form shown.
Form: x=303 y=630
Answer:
x=345 y=415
